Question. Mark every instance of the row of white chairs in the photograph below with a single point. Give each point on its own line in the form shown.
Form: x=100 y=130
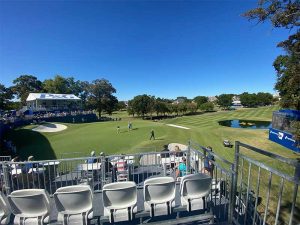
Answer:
x=75 y=203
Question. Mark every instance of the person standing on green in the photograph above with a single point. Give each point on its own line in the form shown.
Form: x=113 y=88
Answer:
x=152 y=135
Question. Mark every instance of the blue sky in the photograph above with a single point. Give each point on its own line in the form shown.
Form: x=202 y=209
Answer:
x=163 y=48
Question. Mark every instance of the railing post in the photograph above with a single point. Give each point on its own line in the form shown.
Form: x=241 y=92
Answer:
x=103 y=162
x=297 y=179
x=234 y=180
x=6 y=177
x=188 y=159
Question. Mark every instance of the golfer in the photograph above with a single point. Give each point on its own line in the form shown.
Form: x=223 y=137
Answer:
x=152 y=135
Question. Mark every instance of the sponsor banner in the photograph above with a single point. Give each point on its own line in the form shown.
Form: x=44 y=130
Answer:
x=283 y=138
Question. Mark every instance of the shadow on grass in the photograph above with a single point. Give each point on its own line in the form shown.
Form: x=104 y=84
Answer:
x=286 y=209
x=30 y=142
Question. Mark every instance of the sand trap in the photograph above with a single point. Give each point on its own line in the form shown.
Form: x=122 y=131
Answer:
x=173 y=125
x=50 y=127
x=182 y=147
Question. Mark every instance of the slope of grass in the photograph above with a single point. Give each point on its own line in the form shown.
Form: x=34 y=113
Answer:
x=102 y=136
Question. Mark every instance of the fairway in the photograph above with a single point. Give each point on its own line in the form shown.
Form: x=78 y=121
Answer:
x=81 y=139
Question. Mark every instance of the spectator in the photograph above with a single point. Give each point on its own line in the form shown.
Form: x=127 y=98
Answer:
x=181 y=170
x=208 y=162
x=108 y=166
x=29 y=165
x=92 y=159
x=178 y=152
x=14 y=160
x=165 y=152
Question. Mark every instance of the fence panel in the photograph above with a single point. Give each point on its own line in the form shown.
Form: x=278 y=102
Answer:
x=266 y=195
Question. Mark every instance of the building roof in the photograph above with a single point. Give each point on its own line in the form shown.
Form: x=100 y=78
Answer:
x=50 y=96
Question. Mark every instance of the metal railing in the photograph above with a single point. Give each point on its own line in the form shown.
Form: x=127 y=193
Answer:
x=246 y=191
x=265 y=195
x=5 y=158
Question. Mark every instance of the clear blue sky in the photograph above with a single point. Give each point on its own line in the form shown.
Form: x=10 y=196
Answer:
x=164 y=48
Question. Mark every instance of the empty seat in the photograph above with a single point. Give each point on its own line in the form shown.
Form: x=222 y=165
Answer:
x=159 y=195
x=30 y=206
x=74 y=204
x=4 y=210
x=194 y=189
x=119 y=201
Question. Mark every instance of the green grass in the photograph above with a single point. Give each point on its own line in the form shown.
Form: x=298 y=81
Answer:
x=204 y=129
x=102 y=136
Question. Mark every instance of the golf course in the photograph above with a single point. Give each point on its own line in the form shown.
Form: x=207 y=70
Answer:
x=81 y=138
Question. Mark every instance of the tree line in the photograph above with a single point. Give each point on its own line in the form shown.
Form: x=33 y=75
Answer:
x=143 y=105
x=97 y=94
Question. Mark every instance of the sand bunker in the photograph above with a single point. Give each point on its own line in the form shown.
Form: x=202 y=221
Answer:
x=182 y=147
x=173 y=125
x=50 y=127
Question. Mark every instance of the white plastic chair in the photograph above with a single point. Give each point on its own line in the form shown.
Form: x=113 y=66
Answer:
x=4 y=210
x=159 y=195
x=30 y=206
x=194 y=190
x=74 y=204
x=119 y=201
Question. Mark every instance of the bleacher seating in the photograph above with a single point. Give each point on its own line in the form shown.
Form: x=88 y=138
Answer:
x=194 y=190
x=159 y=195
x=30 y=206
x=74 y=204
x=119 y=201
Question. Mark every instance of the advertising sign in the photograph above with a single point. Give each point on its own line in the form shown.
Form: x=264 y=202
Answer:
x=283 y=138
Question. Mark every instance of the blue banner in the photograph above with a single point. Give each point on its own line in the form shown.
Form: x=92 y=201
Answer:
x=283 y=138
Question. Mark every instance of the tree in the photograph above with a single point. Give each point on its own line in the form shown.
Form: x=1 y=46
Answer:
x=225 y=100
x=5 y=96
x=249 y=100
x=110 y=104
x=121 y=105
x=200 y=100
x=61 y=85
x=160 y=107
x=208 y=106
x=264 y=99
x=101 y=97
x=142 y=104
x=192 y=107
x=84 y=93
x=182 y=107
x=24 y=85
x=284 y=14
x=130 y=109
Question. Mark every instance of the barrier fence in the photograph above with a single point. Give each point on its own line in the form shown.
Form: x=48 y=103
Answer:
x=242 y=192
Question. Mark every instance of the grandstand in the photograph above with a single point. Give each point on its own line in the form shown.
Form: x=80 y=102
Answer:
x=78 y=191
x=52 y=102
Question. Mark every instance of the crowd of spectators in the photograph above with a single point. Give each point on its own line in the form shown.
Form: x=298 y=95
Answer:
x=61 y=114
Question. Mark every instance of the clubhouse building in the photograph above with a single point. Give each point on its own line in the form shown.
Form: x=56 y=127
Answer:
x=52 y=102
